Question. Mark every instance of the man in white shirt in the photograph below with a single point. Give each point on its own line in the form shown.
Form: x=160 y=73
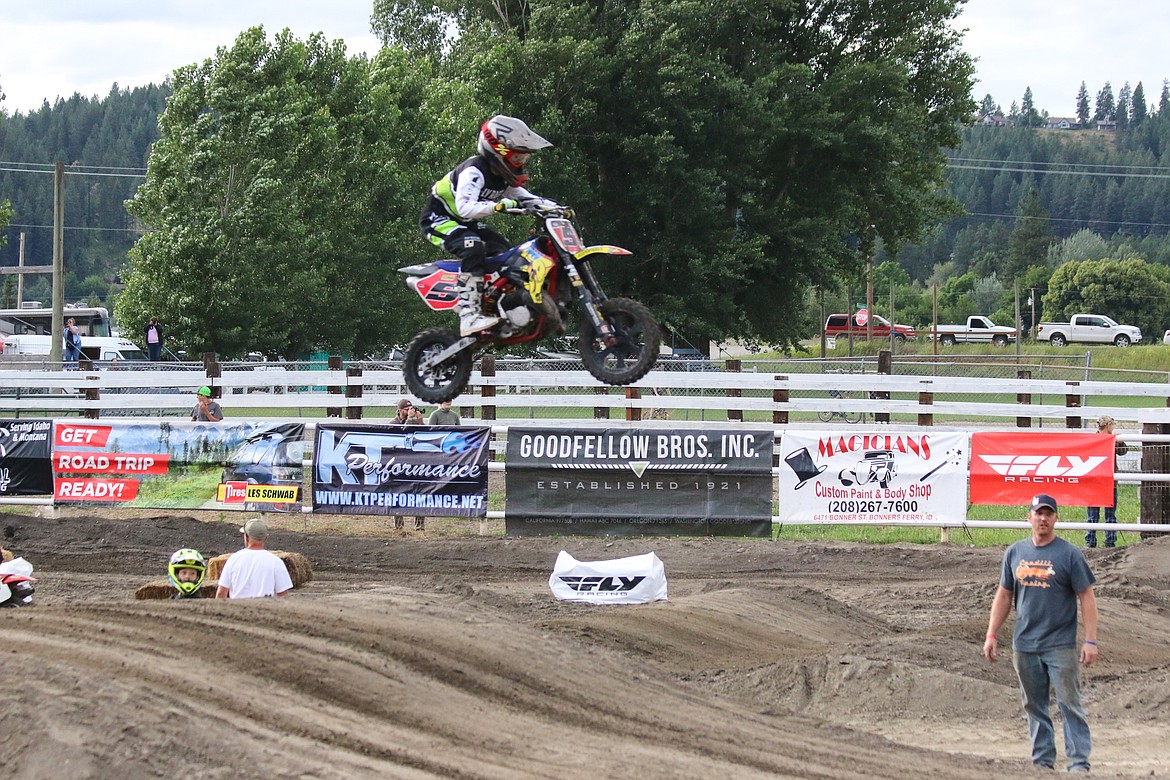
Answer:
x=253 y=572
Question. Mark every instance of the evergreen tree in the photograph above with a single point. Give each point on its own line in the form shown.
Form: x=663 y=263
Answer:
x=1083 y=106
x=988 y=106
x=1122 y=110
x=1139 y=110
x=1029 y=241
x=1164 y=100
x=1029 y=116
x=1106 y=107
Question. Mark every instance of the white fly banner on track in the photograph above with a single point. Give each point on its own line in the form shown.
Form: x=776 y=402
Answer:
x=637 y=579
x=873 y=477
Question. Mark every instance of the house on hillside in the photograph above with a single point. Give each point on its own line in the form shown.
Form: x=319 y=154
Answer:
x=1062 y=123
x=1106 y=124
x=991 y=120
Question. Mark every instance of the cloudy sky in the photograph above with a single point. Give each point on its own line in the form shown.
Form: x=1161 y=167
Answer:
x=51 y=48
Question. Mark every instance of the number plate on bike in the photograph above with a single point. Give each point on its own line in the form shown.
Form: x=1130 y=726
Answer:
x=565 y=234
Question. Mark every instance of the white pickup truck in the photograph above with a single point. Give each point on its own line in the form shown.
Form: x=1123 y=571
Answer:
x=1088 y=329
x=978 y=330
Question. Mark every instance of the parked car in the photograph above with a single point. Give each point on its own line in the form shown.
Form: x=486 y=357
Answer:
x=978 y=330
x=272 y=456
x=1088 y=329
x=841 y=325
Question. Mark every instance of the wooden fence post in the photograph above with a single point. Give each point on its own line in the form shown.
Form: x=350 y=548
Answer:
x=334 y=365
x=633 y=413
x=601 y=412
x=487 y=368
x=885 y=366
x=1154 y=497
x=91 y=393
x=1072 y=401
x=213 y=371
x=780 y=396
x=734 y=366
x=1024 y=398
x=926 y=398
x=353 y=390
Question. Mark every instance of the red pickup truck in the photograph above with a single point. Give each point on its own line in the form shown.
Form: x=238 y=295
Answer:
x=840 y=326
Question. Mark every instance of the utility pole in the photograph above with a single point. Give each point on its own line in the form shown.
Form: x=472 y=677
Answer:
x=20 y=276
x=55 y=347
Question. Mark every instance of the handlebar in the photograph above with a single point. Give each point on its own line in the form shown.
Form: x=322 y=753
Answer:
x=540 y=211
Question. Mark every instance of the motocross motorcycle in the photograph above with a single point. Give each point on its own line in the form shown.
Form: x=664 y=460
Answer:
x=531 y=288
x=16 y=583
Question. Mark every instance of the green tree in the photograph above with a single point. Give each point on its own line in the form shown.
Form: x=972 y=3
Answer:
x=1139 y=111
x=1130 y=291
x=1106 y=108
x=988 y=105
x=280 y=195
x=1122 y=110
x=1028 y=244
x=1082 y=245
x=1029 y=116
x=732 y=146
x=1083 y=106
x=1164 y=99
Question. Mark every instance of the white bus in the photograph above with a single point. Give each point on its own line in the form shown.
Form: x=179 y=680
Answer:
x=38 y=321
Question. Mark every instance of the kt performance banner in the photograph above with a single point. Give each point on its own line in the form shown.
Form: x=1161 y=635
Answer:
x=873 y=477
x=163 y=464
x=432 y=471
x=25 y=468
x=1010 y=468
x=623 y=481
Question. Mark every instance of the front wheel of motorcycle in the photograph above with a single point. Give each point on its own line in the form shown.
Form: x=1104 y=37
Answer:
x=635 y=347
x=442 y=382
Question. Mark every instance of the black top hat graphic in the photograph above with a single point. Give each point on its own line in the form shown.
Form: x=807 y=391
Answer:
x=801 y=462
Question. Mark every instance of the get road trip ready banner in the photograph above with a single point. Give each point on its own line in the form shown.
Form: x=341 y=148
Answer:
x=163 y=464
x=434 y=471
x=1074 y=468
x=877 y=477
x=631 y=481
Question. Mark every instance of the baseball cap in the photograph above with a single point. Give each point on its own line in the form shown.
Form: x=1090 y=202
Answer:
x=404 y=403
x=255 y=528
x=1041 y=500
x=205 y=390
x=1104 y=420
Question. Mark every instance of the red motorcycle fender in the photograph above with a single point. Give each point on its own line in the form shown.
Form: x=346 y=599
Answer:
x=602 y=249
x=439 y=291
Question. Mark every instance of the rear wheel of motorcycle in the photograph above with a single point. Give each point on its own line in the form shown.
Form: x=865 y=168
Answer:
x=444 y=381
x=633 y=352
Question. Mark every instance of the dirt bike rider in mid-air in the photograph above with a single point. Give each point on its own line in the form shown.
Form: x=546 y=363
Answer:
x=490 y=181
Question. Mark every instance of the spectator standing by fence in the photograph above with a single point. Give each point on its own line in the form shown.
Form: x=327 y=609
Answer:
x=154 y=339
x=1045 y=577
x=205 y=409
x=1105 y=425
x=405 y=416
x=444 y=415
x=72 y=343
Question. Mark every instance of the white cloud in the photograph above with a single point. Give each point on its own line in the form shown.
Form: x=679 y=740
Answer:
x=54 y=49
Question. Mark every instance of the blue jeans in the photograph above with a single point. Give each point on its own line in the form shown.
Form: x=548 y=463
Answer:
x=1060 y=670
x=1110 y=517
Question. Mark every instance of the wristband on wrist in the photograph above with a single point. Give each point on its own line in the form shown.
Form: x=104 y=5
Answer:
x=1090 y=642
x=992 y=636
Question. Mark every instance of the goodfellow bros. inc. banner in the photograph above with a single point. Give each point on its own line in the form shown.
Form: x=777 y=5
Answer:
x=25 y=468
x=623 y=481
x=873 y=477
x=162 y=464
x=432 y=471
x=1010 y=468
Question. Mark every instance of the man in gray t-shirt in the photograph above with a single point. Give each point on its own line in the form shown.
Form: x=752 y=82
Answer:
x=1046 y=577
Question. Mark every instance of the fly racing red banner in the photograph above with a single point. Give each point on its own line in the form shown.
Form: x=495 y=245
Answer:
x=1074 y=468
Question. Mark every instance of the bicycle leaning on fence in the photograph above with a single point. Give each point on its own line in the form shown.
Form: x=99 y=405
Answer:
x=849 y=416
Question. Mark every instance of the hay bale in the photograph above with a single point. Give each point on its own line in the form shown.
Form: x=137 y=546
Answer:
x=5 y=556
x=299 y=568
x=162 y=589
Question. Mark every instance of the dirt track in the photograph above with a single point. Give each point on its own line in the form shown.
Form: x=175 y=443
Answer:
x=429 y=655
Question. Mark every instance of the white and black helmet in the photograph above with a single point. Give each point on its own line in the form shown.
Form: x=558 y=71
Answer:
x=507 y=142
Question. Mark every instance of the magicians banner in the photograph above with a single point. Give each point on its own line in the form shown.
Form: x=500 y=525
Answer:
x=623 y=481
x=25 y=467
x=432 y=471
x=873 y=477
